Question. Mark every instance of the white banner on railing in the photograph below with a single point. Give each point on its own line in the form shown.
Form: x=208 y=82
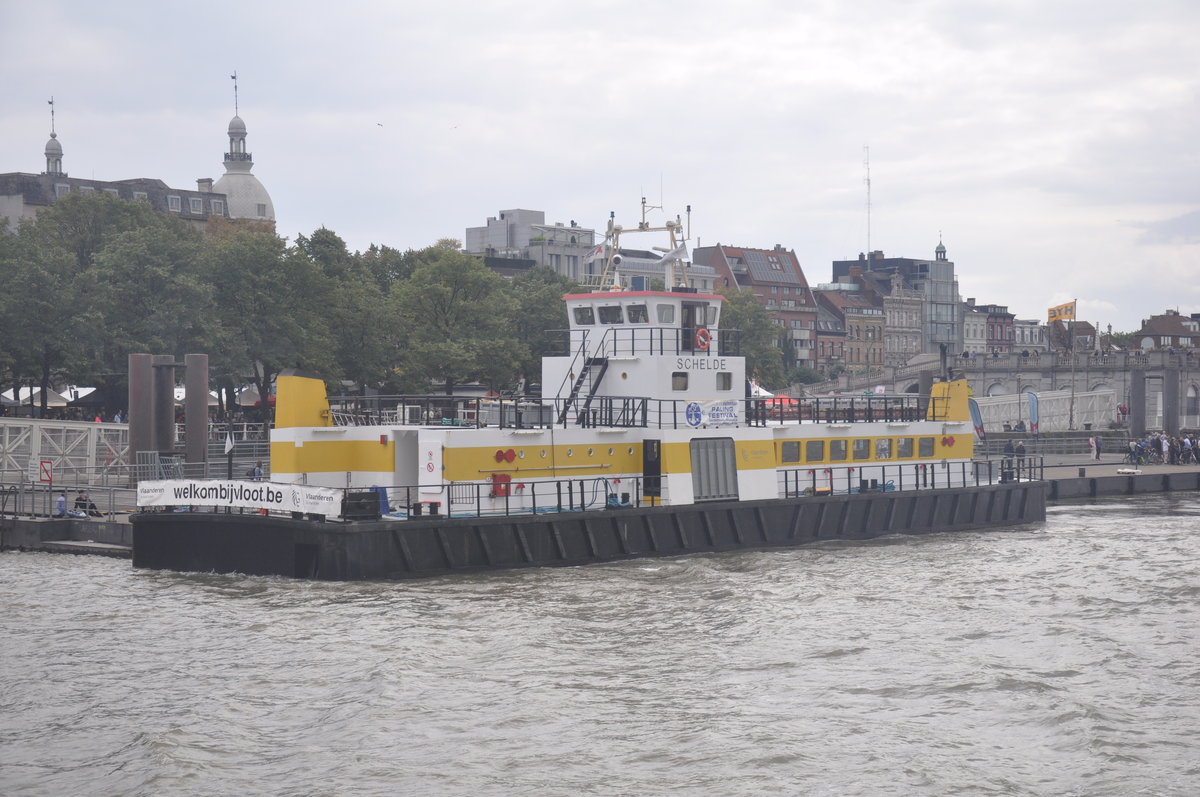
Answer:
x=243 y=494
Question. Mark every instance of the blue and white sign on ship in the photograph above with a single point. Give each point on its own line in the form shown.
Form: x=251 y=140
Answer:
x=712 y=413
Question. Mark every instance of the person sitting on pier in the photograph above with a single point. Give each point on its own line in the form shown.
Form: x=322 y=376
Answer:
x=86 y=506
x=60 y=508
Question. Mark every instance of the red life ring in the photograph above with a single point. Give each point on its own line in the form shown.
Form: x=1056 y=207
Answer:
x=702 y=339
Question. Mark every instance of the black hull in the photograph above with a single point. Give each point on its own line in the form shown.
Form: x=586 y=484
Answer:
x=277 y=546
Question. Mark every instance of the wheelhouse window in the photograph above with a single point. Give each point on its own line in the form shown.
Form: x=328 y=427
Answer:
x=611 y=315
x=638 y=314
x=724 y=381
x=666 y=314
x=679 y=380
x=584 y=316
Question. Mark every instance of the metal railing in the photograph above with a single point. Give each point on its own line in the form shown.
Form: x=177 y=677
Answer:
x=488 y=499
x=34 y=500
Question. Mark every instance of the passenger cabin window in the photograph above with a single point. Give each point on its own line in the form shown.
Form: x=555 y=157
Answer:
x=666 y=314
x=789 y=451
x=610 y=315
x=925 y=446
x=724 y=381
x=814 y=451
x=679 y=380
x=883 y=449
x=837 y=450
x=862 y=449
x=904 y=447
x=637 y=314
x=584 y=316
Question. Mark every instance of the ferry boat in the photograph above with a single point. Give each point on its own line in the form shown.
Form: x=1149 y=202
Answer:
x=646 y=440
x=647 y=404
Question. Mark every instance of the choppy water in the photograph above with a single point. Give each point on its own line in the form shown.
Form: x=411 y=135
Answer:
x=1058 y=659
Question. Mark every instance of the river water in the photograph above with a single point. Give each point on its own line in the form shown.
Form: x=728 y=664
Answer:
x=1056 y=659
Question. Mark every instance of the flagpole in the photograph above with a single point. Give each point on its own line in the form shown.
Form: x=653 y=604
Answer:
x=1071 y=338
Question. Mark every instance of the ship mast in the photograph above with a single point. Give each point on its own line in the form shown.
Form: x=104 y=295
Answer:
x=674 y=260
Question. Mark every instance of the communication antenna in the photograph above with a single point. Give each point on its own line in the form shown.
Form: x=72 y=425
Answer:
x=52 y=116
x=867 y=180
x=235 y=99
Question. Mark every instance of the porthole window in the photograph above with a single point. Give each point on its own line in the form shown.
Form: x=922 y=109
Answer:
x=591 y=452
x=521 y=454
x=543 y=453
x=570 y=452
x=611 y=452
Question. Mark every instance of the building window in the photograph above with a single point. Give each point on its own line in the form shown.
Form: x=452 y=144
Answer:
x=196 y=204
x=61 y=189
x=174 y=204
x=112 y=191
x=87 y=188
x=679 y=380
x=262 y=209
x=140 y=196
x=218 y=207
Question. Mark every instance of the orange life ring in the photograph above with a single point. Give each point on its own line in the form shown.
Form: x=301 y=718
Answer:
x=702 y=339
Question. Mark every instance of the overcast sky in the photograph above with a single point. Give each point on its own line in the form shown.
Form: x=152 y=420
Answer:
x=1051 y=143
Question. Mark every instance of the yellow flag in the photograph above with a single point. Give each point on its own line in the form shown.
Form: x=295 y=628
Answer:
x=1063 y=312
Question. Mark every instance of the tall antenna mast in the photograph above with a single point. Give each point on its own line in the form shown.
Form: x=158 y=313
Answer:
x=235 y=100
x=52 y=115
x=867 y=180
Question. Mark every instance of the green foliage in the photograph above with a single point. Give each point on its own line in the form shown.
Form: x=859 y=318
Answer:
x=96 y=278
x=456 y=319
x=541 y=315
x=804 y=375
x=764 y=359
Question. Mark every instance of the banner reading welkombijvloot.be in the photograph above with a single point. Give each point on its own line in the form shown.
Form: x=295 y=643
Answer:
x=242 y=494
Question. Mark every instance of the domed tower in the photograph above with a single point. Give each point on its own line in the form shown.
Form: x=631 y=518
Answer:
x=246 y=198
x=939 y=253
x=54 y=157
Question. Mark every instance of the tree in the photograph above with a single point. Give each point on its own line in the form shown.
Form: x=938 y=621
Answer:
x=149 y=296
x=271 y=304
x=764 y=359
x=355 y=309
x=540 y=310
x=456 y=320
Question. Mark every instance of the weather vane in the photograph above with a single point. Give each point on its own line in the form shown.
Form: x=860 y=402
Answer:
x=51 y=115
x=235 y=101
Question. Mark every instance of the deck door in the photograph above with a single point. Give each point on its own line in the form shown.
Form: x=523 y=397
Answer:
x=714 y=469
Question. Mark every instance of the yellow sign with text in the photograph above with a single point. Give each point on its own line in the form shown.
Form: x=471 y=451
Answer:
x=1063 y=312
